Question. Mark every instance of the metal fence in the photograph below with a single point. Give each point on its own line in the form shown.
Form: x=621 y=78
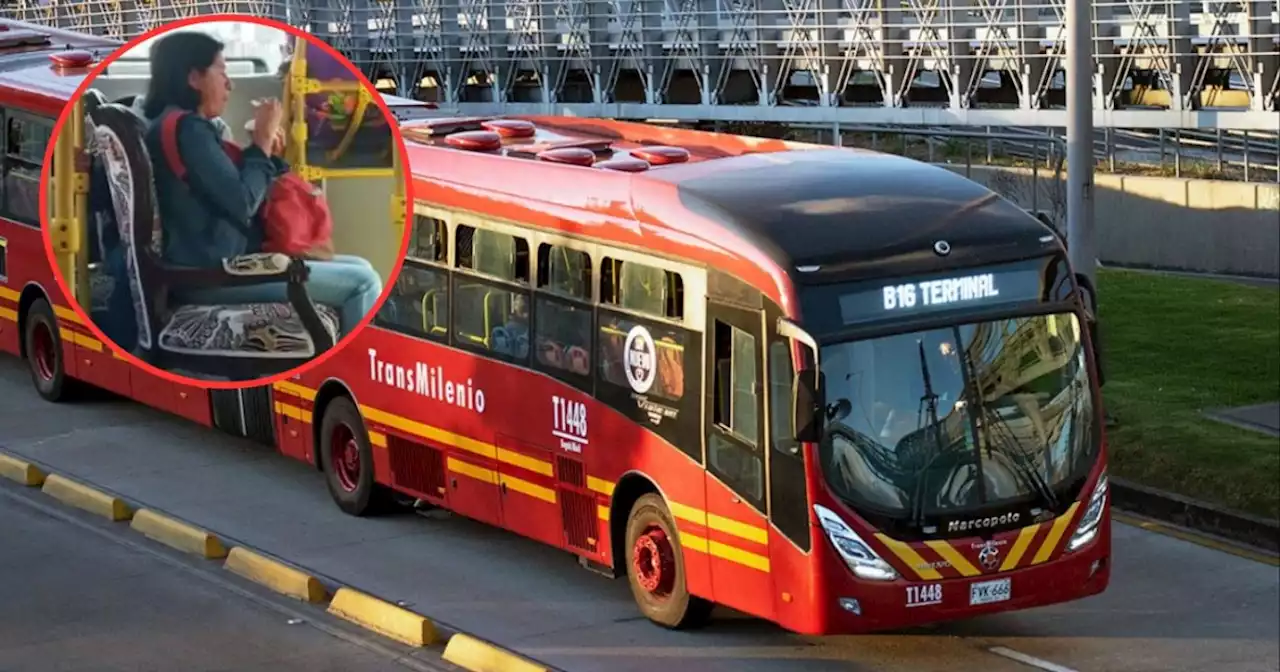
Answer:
x=1159 y=64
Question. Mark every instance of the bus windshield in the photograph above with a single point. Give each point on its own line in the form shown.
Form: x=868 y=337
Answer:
x=959 y=419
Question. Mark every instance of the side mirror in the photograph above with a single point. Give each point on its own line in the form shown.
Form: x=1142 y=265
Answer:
x=808 y=407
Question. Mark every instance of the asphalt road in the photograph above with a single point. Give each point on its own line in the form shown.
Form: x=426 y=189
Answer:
x=76 y=594
x=1172 y=605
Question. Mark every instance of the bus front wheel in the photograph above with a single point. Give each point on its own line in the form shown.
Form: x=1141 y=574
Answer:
x=43 y=346
x=655 y=568
x=347 y=460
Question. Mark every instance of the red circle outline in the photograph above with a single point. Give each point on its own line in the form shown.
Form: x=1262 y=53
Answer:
x=46 y=230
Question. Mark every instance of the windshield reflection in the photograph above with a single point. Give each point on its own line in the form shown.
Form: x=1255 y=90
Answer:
x=918 y=440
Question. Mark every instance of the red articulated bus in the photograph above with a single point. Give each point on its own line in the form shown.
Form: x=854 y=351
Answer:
x=838 y=390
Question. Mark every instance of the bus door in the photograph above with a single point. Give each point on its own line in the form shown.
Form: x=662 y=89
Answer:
x=790 y=542
x=737 y=529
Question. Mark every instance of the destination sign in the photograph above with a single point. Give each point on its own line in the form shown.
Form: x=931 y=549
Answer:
x=875 y=301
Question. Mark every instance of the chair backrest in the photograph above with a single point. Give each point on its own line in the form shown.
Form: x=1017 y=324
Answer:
x=119 y=143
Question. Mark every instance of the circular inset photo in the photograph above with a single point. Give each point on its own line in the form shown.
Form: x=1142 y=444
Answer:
x=226 y=199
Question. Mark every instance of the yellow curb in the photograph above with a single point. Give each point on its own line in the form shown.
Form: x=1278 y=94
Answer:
x=20 y=471
x=383 y=618
x=1193 y=537
x=472 y=654
x=177 y=534
x=275 y=575
x=84 y=497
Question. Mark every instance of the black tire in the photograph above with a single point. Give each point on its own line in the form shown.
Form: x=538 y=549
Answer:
x=356 y=494
x=48 y=374
x=670 y=604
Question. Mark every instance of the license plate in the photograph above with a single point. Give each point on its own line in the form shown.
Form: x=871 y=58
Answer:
x=987 y=592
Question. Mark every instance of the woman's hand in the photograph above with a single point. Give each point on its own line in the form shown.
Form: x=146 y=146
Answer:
x=277 y=143
x=267 y=117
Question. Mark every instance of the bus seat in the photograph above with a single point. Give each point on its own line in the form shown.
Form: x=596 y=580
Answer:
x=239 y=342
x=643 y=288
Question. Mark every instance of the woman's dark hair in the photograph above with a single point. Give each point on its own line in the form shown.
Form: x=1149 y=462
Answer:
x=173 y=58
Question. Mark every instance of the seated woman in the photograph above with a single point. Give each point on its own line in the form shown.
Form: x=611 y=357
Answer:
x=212 y=214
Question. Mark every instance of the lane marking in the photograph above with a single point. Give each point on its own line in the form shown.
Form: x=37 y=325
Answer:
x=1193 y=537
x=1028 y=660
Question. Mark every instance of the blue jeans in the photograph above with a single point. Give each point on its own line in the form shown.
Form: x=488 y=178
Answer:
x=347 y=283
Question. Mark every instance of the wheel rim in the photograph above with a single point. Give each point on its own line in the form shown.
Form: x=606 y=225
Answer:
x=654 y=560
x=345 y=458
x=43 y=353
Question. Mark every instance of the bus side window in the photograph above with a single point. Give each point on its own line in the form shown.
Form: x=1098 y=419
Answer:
x=430 y=240
x=739 y=461
x=563 y=314
x=644 y=289
x=26 y=139
x=489 y=315
x=789 y=508
x=419 y=301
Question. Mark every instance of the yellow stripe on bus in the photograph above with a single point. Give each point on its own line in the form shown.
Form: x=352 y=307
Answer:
x=951 y=555
x=1025 y=536
x=291 y=411
x=600 y=485
x=467 y=469
x=1055 y=534
x=12 y=295
x=526 y=488
x=8 y=314
x=733 y=554
x=67 y=314
x=909 y=556
x=691 y=514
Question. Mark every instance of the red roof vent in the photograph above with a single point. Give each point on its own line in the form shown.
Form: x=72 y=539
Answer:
x=577 y=156
x=474 y=141
x=659 y=155
x=511 y=128
x=76 y=58
x=625 y=164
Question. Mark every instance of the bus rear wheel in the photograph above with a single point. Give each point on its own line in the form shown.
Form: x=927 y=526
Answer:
x=655 y=568
x=43 y=345
x=346 y=457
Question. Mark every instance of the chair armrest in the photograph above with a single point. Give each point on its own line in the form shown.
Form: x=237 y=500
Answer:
x=246 y=269
x=257 y=269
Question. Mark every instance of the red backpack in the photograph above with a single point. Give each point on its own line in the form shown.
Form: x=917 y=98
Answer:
x=295 y=216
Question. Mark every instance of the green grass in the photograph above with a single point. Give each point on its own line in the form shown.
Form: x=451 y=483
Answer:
x=1173 y=347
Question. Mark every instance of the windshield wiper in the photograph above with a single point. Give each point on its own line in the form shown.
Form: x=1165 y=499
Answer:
x=1018 y=458
x=929 y=408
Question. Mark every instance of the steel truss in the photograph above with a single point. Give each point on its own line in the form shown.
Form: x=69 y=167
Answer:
x=1158 y=63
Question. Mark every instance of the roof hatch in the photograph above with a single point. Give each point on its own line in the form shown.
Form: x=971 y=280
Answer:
x=68 y=60
x=625 y=164
x=475 y=141
x=660 y=155
x=510 y=128
x=577 y=156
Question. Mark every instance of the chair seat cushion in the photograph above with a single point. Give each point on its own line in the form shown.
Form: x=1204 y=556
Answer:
x=265 y=330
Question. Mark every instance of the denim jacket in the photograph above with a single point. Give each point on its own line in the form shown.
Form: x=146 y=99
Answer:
x=211 y=215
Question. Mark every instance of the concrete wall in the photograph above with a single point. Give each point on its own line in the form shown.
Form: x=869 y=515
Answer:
x=1162 y=222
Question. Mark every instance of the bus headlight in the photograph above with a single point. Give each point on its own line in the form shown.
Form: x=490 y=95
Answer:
x=1087 y=529
x=863 y=561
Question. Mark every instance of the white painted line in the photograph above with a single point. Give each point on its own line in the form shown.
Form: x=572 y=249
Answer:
x=1029 y=660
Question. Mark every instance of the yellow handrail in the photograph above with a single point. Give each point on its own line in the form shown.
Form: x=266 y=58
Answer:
x=70 y=204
